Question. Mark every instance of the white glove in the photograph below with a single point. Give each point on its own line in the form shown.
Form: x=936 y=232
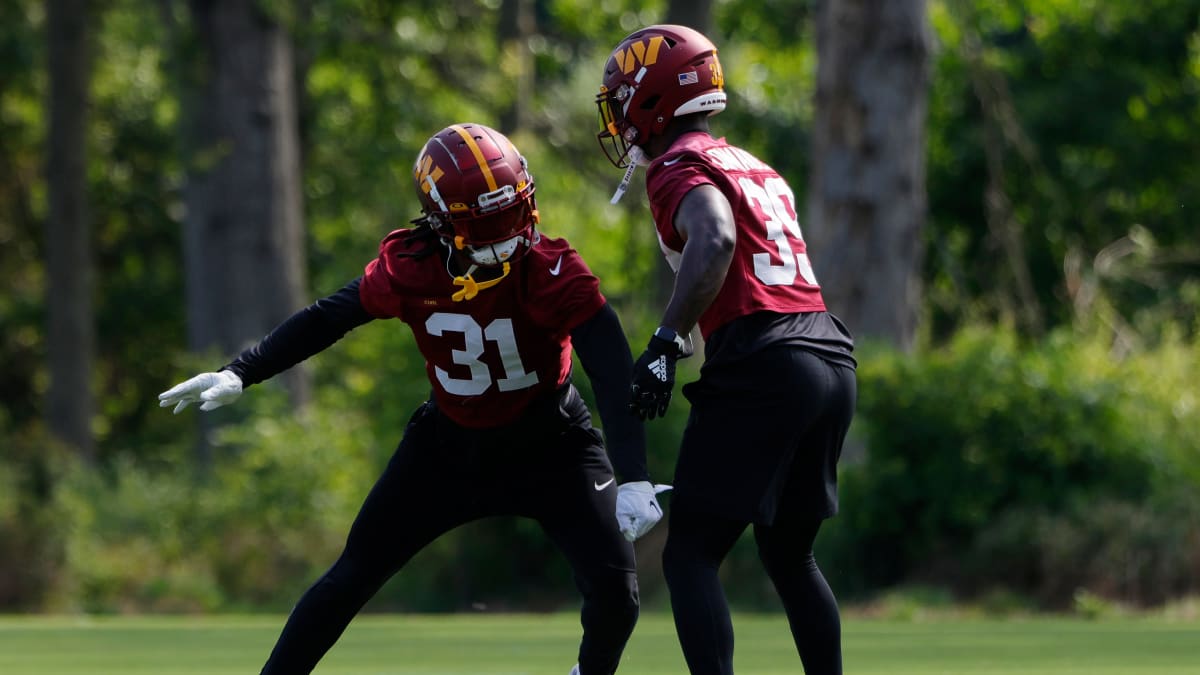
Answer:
x=637 y=508
x=214 y=389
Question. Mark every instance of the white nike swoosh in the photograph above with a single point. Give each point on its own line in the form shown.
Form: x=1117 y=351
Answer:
x=671 y=161
x=601 y=486
x=557 y=266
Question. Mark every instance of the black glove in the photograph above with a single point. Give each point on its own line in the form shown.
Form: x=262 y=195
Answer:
x=654 y=375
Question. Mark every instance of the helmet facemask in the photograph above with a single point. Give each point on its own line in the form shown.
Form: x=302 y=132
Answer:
x=617 y=137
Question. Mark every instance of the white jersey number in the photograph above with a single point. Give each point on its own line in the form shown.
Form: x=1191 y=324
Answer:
x=499 y=331
x=777 y=204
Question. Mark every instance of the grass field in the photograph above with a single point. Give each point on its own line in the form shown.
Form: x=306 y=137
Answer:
x=545 y=645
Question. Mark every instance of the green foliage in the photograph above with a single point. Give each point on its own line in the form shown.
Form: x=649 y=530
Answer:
x=770 y=64
x=379 y=82
x=134 y=184
x=1130 y=553
x=31 y=536
x=997 y=461
x=252 y=534
x=1061 y=124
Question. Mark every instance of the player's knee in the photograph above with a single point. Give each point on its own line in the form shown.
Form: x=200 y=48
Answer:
x=784 y=568
x=611 y=587
x=671 y=561
x=626 y=610
x=355 y=574
x=787 y=552
x=625 y=594
x=615 y=595
x=681 y=562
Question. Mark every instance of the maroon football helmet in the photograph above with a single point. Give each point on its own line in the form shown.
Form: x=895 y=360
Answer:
x=477 y=193
x=657 y=73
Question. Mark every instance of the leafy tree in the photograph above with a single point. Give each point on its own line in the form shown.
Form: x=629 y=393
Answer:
x=1061 y=181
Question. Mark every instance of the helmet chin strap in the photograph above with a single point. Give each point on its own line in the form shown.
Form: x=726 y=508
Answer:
x=470 y=287
x=636 y=159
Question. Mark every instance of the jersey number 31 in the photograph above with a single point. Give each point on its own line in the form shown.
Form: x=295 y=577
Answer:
x=499 y=331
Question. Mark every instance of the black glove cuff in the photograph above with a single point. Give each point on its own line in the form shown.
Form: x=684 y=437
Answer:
x=667 y=341
x=663 y=347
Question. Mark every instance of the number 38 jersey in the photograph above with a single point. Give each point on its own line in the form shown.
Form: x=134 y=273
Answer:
x=770 y=269
x=488 y=357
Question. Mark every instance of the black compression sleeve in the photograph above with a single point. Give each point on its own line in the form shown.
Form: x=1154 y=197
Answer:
x=301 y=335
x=605 y=357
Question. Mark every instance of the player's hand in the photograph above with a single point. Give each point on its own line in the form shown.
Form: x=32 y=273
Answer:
x=653 y=379
x=211 y=390
x=637 y=507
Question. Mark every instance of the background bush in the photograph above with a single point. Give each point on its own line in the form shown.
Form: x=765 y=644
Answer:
x=1039 y=468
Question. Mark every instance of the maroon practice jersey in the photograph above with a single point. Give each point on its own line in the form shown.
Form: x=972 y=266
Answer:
x=770 y=269
x=490 y=356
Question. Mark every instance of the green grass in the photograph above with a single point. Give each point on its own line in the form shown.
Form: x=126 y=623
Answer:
x=546 y=644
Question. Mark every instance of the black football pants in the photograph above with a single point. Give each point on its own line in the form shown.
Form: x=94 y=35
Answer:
x=697 y=543
x=443 y=476
x=761 y=447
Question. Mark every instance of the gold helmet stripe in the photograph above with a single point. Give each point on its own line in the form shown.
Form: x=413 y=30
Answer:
x=479 y=158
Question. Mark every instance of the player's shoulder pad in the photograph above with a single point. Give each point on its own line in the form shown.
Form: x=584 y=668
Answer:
x=678 y=155
x=551 y=247
x=555 y=257
x=397 y=240
x=395 y=235
x=402 y=244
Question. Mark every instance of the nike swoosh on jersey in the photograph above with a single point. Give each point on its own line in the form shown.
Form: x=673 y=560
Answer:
x=601 y=486
x=669 y=162
x=557 y=267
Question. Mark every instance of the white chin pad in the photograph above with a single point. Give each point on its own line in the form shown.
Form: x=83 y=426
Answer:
x=493 y=254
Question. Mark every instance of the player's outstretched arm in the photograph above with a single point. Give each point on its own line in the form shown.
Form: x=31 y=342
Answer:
x=307 y=332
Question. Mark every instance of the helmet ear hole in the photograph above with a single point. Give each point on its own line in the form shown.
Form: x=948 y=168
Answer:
x=651 y=102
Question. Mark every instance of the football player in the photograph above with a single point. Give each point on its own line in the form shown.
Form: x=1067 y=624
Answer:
x=777 y=388
x=495 y=308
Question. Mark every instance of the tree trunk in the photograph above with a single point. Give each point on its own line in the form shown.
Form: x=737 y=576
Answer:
x=244 y=228
x=867 y=201
x=695 y=14
x=517 y=26
x=70 y=330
